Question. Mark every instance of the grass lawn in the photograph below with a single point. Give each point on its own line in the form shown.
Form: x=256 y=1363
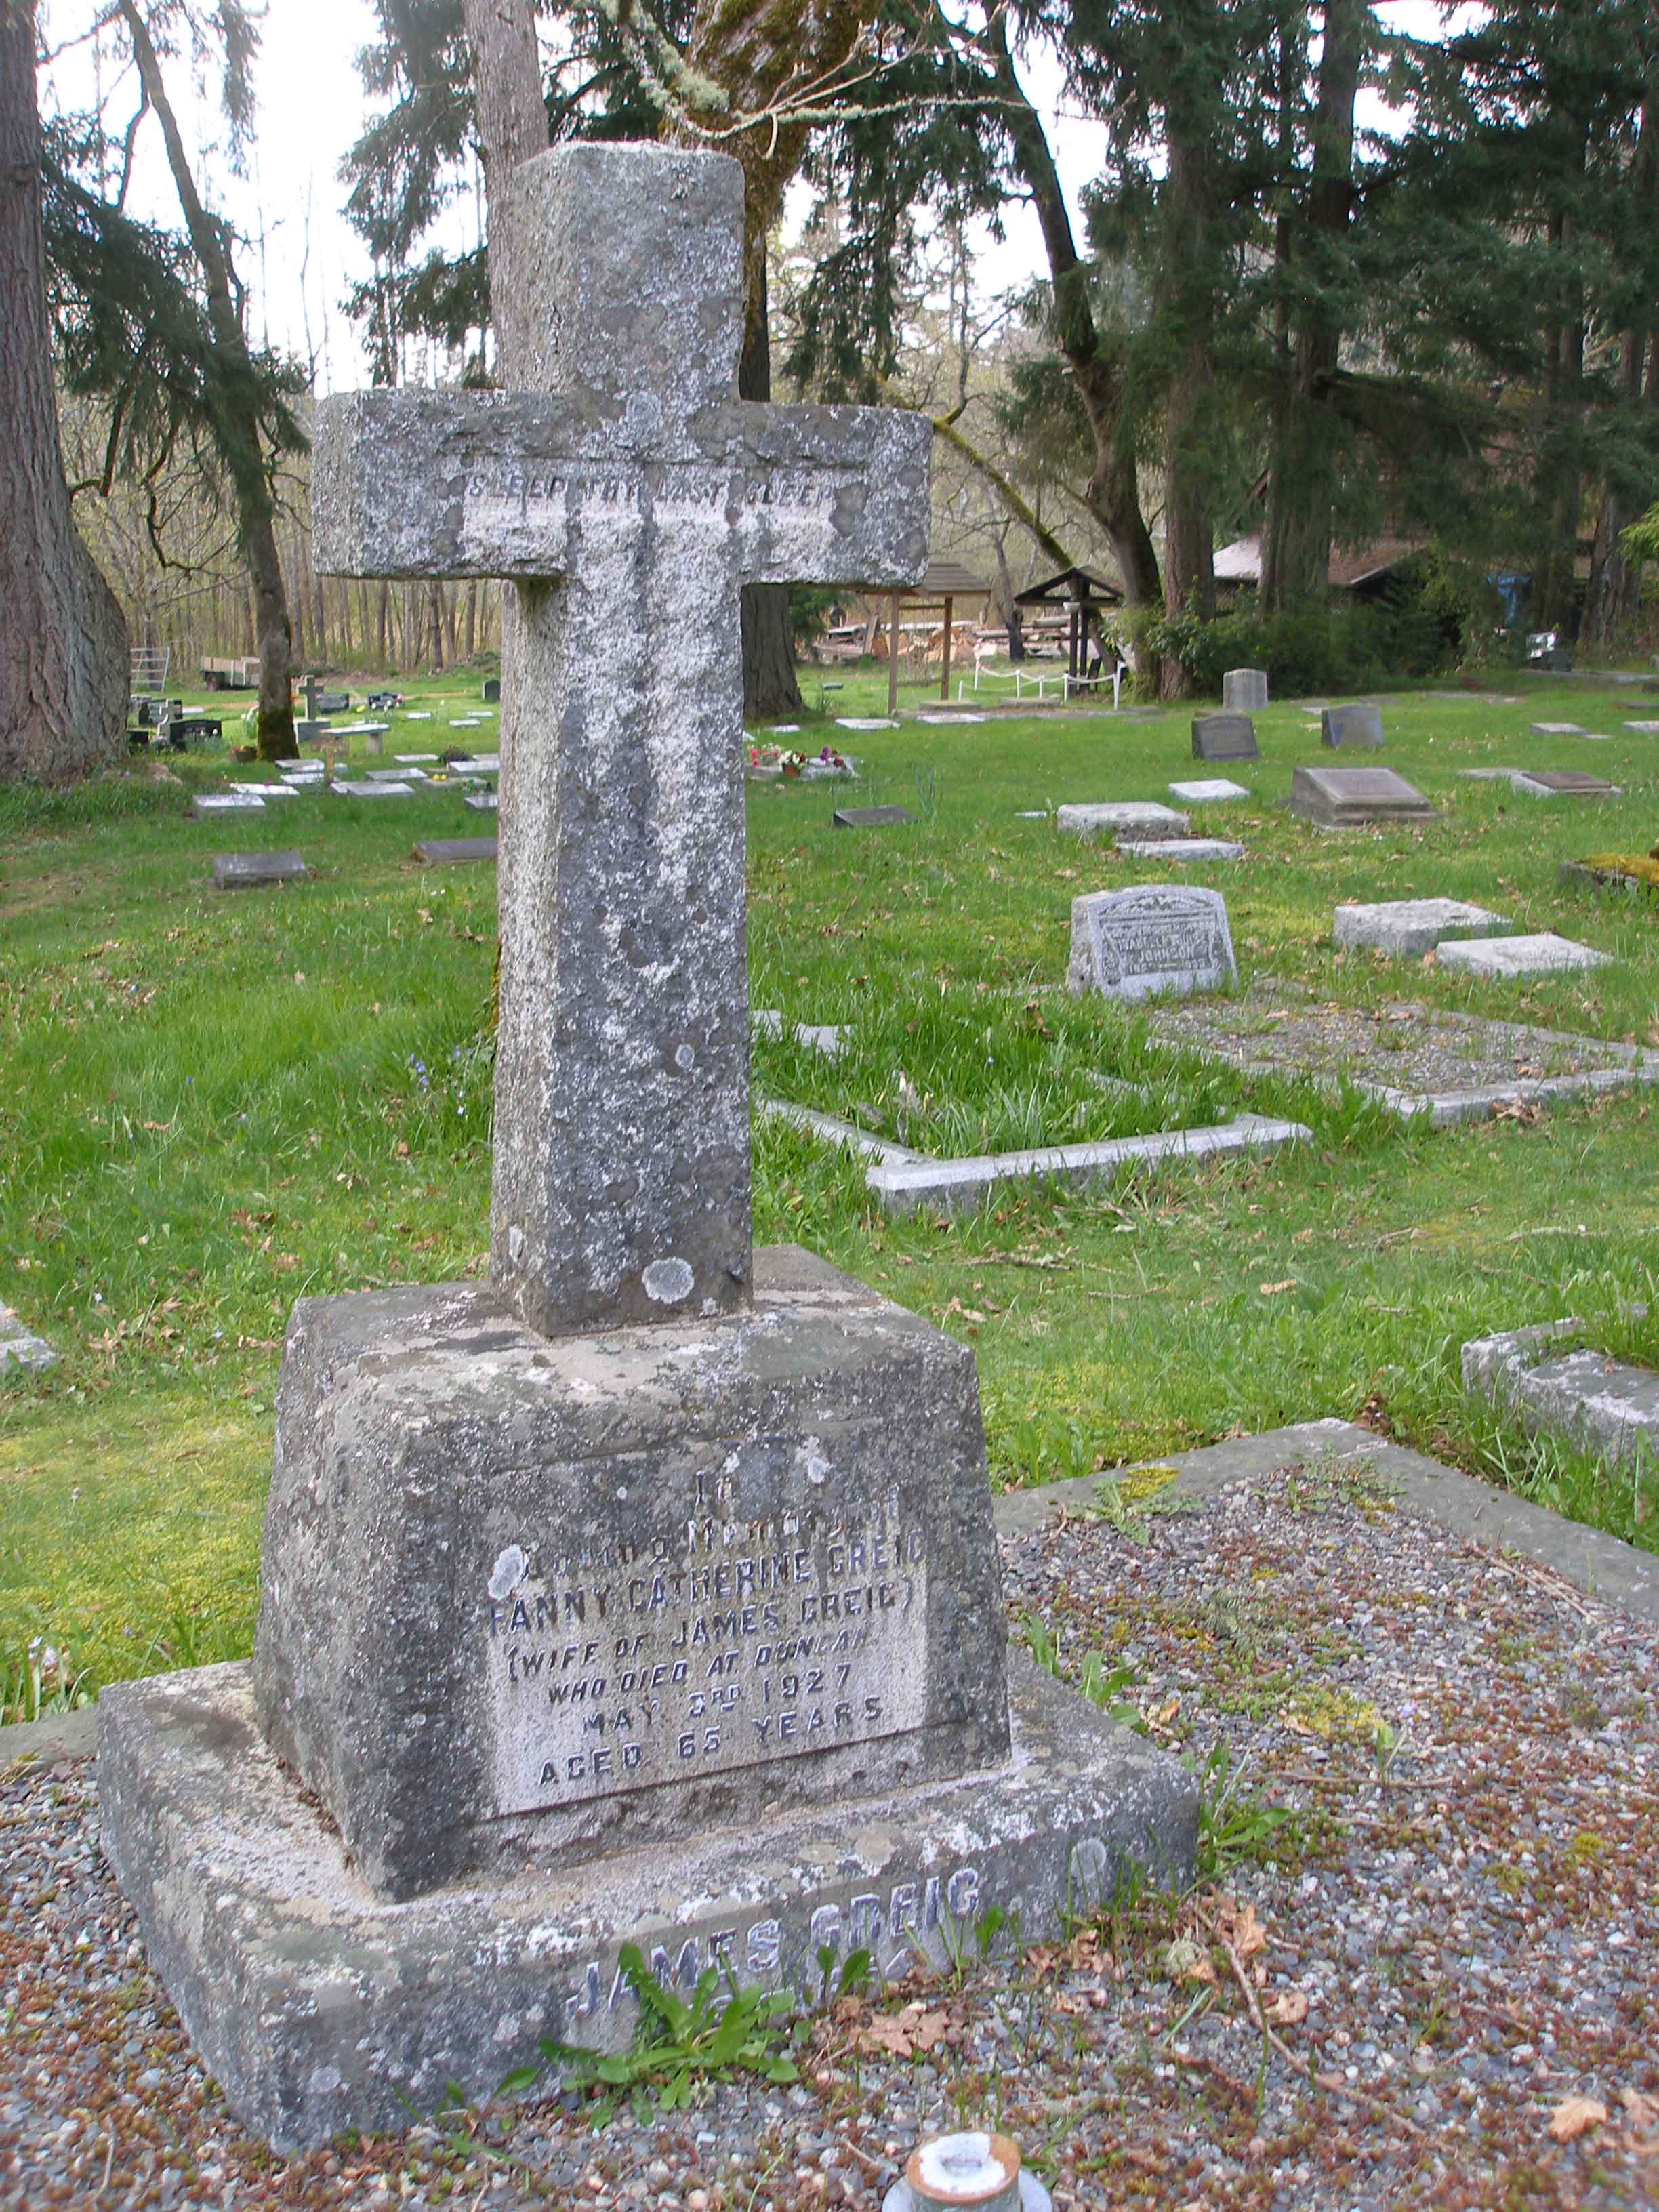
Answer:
x=212 y=1105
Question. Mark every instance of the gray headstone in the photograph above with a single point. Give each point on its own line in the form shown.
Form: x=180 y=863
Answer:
x=492 y=690
x=308 y=731
x=1411 y=928
x=1346 y=728
x=1153 y=938
x=446 y=852
x=870 y=817
x=1246 y=689
x=1348 y=797
x=1224 y=736
x=243 y=871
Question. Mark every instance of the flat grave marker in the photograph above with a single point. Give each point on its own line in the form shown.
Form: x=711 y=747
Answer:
x=1149 y=940
x=864 y=722
x=1145 y=816
x=1506 y=959
x=206 y=804
x=1608 y=1408
x=1564 y=783
x=245 y=872
x=1360 y=725
x=451 y=852
x=1180 y=848
x=1208 y=791
x=482 y=802
x=350 y=787
x=1559 y=730
x=21 y=1347
x=872 y=818
x=1351 y=797
x=1410 y=927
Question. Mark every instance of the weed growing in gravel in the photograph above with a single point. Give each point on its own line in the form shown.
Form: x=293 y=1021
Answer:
x=1233 y=1828
x=678 y=2048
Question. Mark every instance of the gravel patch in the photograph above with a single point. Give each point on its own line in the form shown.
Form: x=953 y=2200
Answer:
x=1388 y=1999
x=1271 y=1030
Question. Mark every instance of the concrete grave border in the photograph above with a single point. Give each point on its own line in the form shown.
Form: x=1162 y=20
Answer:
x=1575 y=1395
x=903 y=1181
x=1640 y=1067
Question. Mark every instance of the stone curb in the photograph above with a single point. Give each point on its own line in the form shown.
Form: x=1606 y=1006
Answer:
x=1601 y=1566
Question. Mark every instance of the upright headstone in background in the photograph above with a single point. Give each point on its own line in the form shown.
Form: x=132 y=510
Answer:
x=1225 y=737
x=1245 y=689
x=1360 y=725
x=1152 y=939
x=647 y=1592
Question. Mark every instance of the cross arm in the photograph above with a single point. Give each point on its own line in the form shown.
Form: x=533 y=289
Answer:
x=419 y=484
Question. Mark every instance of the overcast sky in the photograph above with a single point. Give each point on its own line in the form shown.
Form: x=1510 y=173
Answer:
x=302 y=257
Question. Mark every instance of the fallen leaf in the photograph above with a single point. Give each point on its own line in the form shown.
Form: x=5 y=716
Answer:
x=1574 y=2115
x=1642 y=2112
x=1272 y=1290
x=1288 y=2009
x=1248 y=1934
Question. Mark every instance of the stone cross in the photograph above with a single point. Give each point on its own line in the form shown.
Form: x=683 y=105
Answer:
x=627 y=497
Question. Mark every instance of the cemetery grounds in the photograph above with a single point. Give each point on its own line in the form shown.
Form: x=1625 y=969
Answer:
x=212 y=1104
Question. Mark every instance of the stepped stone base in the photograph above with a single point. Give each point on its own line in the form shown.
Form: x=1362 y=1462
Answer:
x=317 y=2007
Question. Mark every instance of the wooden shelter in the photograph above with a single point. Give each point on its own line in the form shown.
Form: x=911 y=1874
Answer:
x=1083 y=594
x=945 y=583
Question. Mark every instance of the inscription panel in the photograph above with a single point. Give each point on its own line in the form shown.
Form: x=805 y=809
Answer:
x=731 y=1643
x=1150 y=939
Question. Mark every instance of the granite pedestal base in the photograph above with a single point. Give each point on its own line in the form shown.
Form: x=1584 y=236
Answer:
x=317 y=2006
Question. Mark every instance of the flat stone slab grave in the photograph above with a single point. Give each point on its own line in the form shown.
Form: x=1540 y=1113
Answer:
x=350 y=787
x=1559 y=730
x=1509 y=958
x=698 y=1639
x=246 y=871
x=1411 y=928
x=1143 y=815
x=1352 y=798
x=1150 y=939
x=1609 y=1408
x=1413 y=1059
x=450 y=852
x=1564 y=783
x=482 y=802
x=207 y=803
x=872 y=818
x=1180 y=849
x=1224 y=736
x=1208 y=791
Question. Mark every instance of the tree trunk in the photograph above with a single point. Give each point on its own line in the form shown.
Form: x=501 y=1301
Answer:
x=63 y=637
x=1614 y=580
x=236 y=415
x=1186 y=308
x=771 y=688
x=1295 y=555
x=1113 y=493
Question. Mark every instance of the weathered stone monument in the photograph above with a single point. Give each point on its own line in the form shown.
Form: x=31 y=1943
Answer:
x=1356 y=725
x=1246 y=689
x=1225 y=737
x=1349 y=798
x=647 y=1592
x=1150 y=941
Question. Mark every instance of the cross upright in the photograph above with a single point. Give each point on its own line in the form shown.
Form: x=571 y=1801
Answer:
x=626 y=496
